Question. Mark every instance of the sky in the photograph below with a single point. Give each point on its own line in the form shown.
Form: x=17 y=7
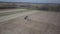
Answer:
x=34 y=1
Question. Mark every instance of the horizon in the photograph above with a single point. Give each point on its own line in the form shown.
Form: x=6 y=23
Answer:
x=28 y=2
x=33 y=1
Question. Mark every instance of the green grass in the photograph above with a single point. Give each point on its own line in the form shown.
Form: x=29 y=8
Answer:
x=9 y=13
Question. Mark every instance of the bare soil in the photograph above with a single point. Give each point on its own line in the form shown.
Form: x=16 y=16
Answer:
x=40 y=23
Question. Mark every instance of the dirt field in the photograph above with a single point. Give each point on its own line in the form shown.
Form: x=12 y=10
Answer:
x=40 y=23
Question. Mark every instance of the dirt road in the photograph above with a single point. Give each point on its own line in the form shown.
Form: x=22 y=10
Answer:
x=41 y=23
